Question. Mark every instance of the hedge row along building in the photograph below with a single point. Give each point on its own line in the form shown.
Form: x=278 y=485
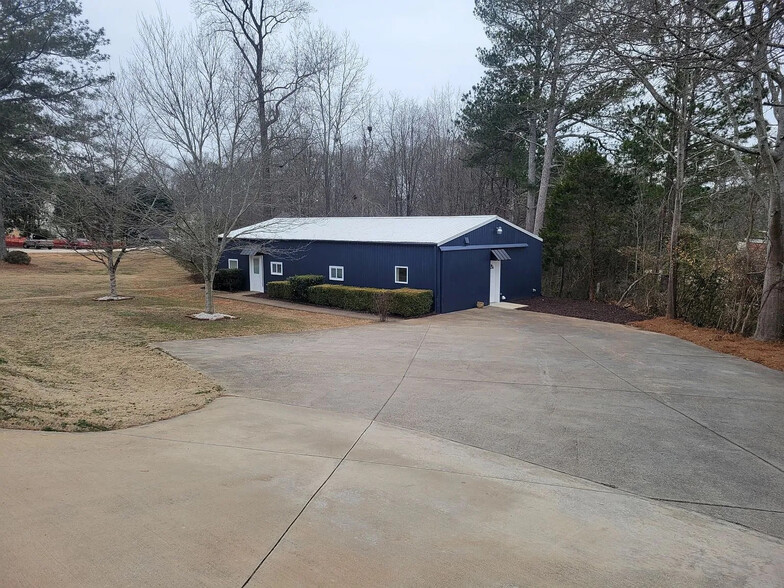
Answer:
x=462 y=259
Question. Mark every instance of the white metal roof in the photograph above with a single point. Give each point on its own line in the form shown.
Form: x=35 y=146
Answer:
x=435 y=230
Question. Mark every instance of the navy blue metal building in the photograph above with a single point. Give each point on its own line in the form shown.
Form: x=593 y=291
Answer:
x=462 y=259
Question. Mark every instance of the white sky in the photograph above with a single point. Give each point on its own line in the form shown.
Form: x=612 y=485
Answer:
x=412 y=46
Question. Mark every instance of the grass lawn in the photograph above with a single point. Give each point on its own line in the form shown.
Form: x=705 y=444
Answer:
x=68 y=363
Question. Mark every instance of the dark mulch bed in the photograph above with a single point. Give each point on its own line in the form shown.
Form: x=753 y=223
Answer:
x=597 y=311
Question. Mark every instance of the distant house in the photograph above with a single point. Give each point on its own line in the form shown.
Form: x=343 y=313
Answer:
x=462 y=259
x=753 y=245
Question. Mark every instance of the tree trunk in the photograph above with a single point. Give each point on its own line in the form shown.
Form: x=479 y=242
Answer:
x=209 y=304
x=112 y=269
x=563 y=276
x=327 y=185
x=530 y=212
x=675 y=229
x=264 y=123
x=547 y=165
x=591 y=284
x=112 y=283
x=3 y=250
x=770 y=324
x=682 y=133
x=592 y=267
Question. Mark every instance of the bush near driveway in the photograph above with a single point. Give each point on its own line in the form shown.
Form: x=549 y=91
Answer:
x=300 y=285
x=280 y=290
x=17 y=258
x=408 y=302
x=229 y=280
x=404 y=302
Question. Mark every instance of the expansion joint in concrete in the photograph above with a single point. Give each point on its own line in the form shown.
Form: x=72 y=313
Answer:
x=307 y=503
x=656 y=398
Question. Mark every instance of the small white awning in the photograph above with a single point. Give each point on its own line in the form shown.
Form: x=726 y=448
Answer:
x=500 y=254
x=251 y=250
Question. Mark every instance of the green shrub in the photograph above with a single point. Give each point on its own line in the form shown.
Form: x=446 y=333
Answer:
x=300 y=285
x=345 y=297
x=17 y=258
x=404 y=302
x=229 y=280
x=280 y=290
x=407 y=302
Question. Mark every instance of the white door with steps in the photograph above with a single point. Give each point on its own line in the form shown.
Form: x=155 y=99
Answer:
x=495 y=281
x=256 y=273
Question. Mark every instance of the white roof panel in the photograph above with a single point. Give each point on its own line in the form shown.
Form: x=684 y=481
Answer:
x=380 y=229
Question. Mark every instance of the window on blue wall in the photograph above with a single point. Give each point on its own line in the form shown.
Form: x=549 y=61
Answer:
x=401 y=274
x=234 y=263
x=276 y=268
x=336 y=273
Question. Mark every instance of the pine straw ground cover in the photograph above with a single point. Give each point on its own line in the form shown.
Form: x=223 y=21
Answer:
x=69 y=363
x=767 y=353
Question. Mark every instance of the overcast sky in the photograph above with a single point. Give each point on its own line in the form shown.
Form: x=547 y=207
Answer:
x=412 y=46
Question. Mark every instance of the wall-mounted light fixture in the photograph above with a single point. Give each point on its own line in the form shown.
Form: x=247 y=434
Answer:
x=499 y=230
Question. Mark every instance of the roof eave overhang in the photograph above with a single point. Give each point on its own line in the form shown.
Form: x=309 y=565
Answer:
x=496 y=218
x=477 y=247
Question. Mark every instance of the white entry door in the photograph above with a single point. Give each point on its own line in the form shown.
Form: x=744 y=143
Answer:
x=495 y=281
x=257 y=273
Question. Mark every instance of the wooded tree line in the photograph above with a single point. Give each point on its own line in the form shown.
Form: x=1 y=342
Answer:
x=648 y=138
x=644 y=140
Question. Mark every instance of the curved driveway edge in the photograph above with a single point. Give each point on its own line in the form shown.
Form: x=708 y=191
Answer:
x=275 y=495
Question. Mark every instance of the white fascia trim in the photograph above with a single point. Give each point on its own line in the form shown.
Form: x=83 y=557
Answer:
x=496 y=218
x=521 y=229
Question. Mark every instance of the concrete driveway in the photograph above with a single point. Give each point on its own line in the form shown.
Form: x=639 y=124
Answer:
x=489 y=447
x=643 y=412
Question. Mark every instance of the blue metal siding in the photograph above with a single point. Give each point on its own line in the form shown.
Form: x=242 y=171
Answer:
x=521 y=277
x=364 y=264
x=465 y=279
x=459 y=278
x=486 y=235
x=465 y=274
x=234 y=253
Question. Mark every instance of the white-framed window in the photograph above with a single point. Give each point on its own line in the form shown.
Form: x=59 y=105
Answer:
x=234 y=263
x=276 y=268
x=401 y=274
x=336 y=273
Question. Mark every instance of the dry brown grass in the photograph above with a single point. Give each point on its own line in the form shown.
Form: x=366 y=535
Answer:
x=767 y=353
x=70 y=363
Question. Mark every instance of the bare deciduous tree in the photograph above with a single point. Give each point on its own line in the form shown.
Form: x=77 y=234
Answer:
x=338 y=92
x=101 y=199
x=277 y=71
x=402 y=135
x=194 y=123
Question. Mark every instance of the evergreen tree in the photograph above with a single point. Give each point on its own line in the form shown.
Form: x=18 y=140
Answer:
x=586 y=222
x=50 y=63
